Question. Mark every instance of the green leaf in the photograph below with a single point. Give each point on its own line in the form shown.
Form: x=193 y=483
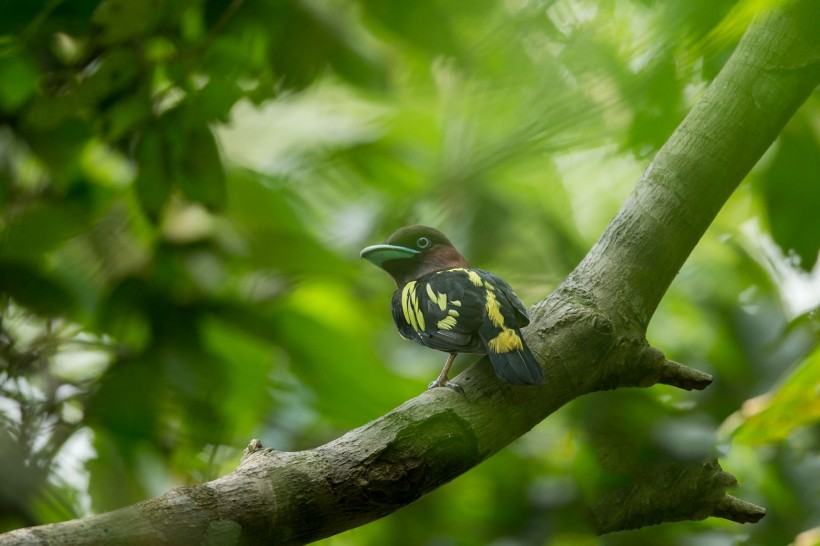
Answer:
x=111 y=74
x=18 y=81
x=124 y=412
x=38 y=230
x=31 y=288
x=413 y=21
x=61 y=146
x=116 y=72
x=792 y=193
x=773 y=416
x=304 y=38
x=122 y=313
x=125 y=19
x=152 y=185
x=126 y=115
x=126 y=402
x=198 y=166
x=214 y=101
x=657 y=105
x=115 y=475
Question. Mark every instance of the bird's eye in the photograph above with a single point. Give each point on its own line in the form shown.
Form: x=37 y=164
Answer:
x=423 y=242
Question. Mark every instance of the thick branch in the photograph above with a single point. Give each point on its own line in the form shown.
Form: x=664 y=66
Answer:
x=588 y=335
x=772 y=72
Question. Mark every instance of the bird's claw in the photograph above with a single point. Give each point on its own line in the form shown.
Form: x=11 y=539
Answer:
x=455 y=386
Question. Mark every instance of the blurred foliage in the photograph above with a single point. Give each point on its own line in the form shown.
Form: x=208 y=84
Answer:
x=184 y=188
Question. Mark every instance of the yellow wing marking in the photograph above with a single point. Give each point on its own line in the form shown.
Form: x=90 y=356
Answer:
x=438 y=297
x=505 y=342
x=419 y=315
x=494 y=310
x=447 y=323
x=407 y=293
x=474 y=278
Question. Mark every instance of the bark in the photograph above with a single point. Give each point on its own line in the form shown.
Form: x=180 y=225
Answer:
x=588 y=334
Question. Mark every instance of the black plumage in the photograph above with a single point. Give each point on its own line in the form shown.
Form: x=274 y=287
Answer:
x=443 y=304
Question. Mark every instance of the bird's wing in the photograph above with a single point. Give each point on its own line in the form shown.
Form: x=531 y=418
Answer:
x=406 y=330
x=456 y=307
x=468 y=311
x=508 y=296
x=500 y=332
x=440 y=311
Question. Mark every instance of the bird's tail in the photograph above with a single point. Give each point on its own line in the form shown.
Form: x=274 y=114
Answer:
x=516 y=365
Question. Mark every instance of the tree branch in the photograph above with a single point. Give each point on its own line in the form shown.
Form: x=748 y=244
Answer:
x=673 y=492
x=589 y=335
x=683 y=377
x=771 y=73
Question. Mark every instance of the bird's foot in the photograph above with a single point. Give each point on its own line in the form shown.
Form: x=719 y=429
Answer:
x=446 y=383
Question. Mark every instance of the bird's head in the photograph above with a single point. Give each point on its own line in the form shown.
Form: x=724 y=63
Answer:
x=413 y=251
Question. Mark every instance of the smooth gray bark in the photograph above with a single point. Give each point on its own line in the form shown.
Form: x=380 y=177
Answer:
x=588 y=334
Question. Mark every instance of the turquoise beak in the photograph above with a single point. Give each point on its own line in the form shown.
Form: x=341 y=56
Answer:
x=378 y=254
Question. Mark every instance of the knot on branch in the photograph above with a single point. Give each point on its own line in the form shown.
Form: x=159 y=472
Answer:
x=669 y=372
x=735 y=509
x=641 y=365
x=673 y=492
x=613 y=343
x=254 y=446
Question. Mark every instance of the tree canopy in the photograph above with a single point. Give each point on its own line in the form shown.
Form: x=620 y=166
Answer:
x=185 y=186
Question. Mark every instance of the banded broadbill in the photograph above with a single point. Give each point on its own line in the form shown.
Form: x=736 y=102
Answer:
x=443 y=303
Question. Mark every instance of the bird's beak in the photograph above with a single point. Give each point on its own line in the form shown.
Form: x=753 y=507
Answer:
x=378 y=254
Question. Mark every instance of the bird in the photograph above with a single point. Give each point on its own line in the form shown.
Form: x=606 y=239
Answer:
x=442 y=303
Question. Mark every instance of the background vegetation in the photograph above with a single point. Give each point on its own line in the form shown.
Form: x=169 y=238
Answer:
x=184 y=188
